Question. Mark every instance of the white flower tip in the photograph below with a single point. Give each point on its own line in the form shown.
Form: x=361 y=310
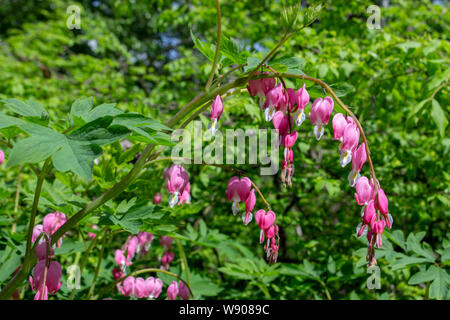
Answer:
x=300 y=118
x=269 y=112
x=346 y=158
x=235 y=207
x=318 y=131
x=246 y=220
x=213 y=126
x=173 y=199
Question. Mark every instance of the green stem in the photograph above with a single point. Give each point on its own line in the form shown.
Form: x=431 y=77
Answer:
x=216 y=55
x=85 y=257
x=37 y=194
x=99 y=262
x=184 y=265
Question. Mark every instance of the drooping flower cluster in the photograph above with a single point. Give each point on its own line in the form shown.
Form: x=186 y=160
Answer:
x=46 y=274
x=136 y=245
x=375 y=213
x=269 y=230
x=137 y=288
x=168 y=255
x=178 y=185
x=284 y=107
x=240 y=190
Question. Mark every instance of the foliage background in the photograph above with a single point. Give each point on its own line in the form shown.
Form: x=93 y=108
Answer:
x=141 y=56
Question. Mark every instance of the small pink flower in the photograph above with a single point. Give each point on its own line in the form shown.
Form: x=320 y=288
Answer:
x=364 y=191
x=260 y=87
x=249 y=205
x=183 y=291
x=320 y=114
x=369 y=217
x=41 y=251
x=53 y=221
x=216 y=112
x=383 y=206
x=37 y=230
x=238 y=191
x=92 y=235
x=350 y=141
x=358 y=159
x=2 y=156
x=166 y=259
x=121 y=260
x=52 y=282
x=178 y=179
x=378 y=228
x=289 y=139
x=157 y=198
x=185 y=195
x=339 y=124
x=117 y=273
x=140 y=289
x=132 y=247
x=271 y=231
x=275 y=100
x=128 y=288
x=265 y=219
x=157 y=288
x=145 y=241
x=172 y=291
x=166 y=242
x=280 y=122
x=302 y=100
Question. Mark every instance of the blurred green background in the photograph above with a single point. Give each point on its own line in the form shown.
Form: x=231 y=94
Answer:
x=140 y=55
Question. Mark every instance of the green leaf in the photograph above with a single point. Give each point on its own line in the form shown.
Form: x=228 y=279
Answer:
x=203 y=47
x=75 y=152
x=439 y=286
x=8 y=266
x=439 y=117
x=26 y=109
x=405 y=261
x=232 y=50
x=423 y=276
x=81 y=107
x=409 y=45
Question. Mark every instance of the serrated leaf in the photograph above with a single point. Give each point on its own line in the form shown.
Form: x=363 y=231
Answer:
x=26 y=109
x=423 y=276
x=203 y=47
x=439 y=286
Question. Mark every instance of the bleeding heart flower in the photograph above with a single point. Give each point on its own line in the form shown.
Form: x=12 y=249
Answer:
x=183 y=291
x=358 y=159
x=320 y=114
x=260 y=87
x=369 y=217
x=178 y=179
x=52 y=281
x=302 y=100
x=157 y=198
x=339 y=124
x=216 y=112
x=249 y=205
x=281 y=123
x=364 y=191
x=237 y=191
x=275 y=100
x=383 y=206
x=350 y=141
x=172 y=291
